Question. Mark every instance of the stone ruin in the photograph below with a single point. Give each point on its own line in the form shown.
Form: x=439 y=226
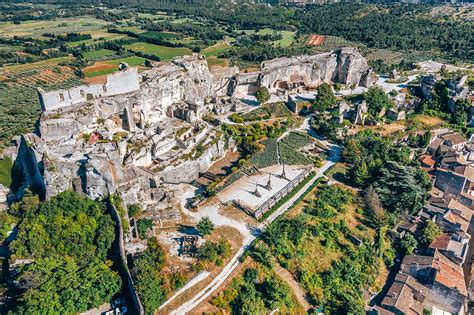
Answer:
x=137 y=134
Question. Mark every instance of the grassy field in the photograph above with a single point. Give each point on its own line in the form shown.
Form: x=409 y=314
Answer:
x=216 y=49
x=6 y=171
x=217 y=62
x=97 y=40
x=98 y=53
x=165 y=53
x=161 y=35
x=131 y=61
x=60 y=26
x=287 y=40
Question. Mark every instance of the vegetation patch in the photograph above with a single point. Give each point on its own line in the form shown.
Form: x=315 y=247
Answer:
x=266 y=157
x=343 y=270
x=69 y=238
x=289 y=155
x=6 y=171
x=163 y=52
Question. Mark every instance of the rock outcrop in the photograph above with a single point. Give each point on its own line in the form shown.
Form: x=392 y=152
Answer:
x=131 y=143
x=282 y=75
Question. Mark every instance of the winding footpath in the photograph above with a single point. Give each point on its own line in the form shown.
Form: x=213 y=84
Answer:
x=249 y=233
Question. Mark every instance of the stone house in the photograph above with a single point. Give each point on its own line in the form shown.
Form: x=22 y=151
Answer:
x=433 y=283
x=454 y=246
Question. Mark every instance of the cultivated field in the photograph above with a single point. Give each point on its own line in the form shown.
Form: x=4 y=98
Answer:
x=165 y=53
x=60 y=26
x=287 y=40
x=315 y=40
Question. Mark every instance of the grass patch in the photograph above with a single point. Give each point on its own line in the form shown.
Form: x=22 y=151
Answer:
x=6 y=171
x=94 y=54
x=160 y=35
x=58 y=26
x=216 y=49
x=165 y=53
x=217 y=62
x=131 y=61
x=288 y=37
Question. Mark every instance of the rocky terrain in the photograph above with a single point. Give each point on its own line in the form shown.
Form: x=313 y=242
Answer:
x=138 y=142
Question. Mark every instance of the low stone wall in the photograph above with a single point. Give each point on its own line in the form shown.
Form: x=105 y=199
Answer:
x=267 y=205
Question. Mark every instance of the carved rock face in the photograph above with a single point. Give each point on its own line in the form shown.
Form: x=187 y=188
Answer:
x=346 y=66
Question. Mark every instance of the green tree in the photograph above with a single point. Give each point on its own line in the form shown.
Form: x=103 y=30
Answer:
x=325 y=98
x=59 y=285
x=361 y=172
x=262 y=95
x=376 y=100
x=408 y=243
x=249 y=301
x=148 y=276
x=205 y=226
x=134 y=211
x=430 y=231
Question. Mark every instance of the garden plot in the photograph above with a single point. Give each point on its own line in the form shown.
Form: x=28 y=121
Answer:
x=243 y=189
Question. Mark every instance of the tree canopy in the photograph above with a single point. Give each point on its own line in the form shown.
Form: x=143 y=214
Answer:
x=377 y=100
x=68 y=237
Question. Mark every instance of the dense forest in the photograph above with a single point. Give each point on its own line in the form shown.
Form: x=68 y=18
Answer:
x=65 y=245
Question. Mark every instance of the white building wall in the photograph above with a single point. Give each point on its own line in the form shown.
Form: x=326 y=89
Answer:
x=120 y=82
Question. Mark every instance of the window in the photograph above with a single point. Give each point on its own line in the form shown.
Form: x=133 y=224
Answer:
x=104 y=88
x=82 y=93
x=61 y=97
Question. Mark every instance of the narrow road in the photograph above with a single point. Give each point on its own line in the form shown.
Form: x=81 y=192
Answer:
x=249 y=233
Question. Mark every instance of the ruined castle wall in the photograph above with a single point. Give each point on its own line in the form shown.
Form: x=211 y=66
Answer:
x=188 y=171
x=120 y=82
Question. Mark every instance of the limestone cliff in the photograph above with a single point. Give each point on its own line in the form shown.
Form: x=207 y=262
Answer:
x=281 y=75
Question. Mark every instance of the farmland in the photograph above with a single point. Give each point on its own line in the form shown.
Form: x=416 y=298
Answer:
x=59 y=26
x=165 y=53
x=297 y=140
x=289 y=155
x=19 y=105
x=110 y=66
x=287 y=39
x=96 y=54
x=216 y=49
x=160 y=35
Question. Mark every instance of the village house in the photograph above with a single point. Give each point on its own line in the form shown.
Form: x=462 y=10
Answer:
x=432 y=283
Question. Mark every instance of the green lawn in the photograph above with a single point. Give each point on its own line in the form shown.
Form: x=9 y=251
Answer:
x=6 y=171
x=287 y=40
x=131 y=61
x=165 y=53
x=98 y=53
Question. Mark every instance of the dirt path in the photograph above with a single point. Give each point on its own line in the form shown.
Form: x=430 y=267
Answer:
x=295 y=286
